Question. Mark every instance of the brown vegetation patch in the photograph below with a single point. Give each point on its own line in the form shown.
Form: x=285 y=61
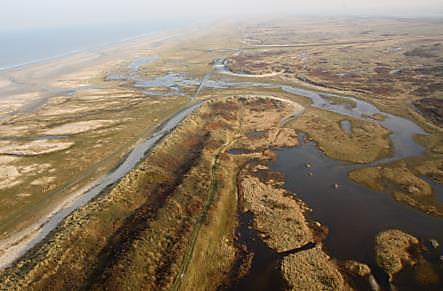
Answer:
x=258 y=63
x=276 y=137
x=431 y=109
x=270 y=204
x=394 y=250
x=136 y=236
x=402 y=183
x=367 y=142
x=424 y=51
x=312 y=270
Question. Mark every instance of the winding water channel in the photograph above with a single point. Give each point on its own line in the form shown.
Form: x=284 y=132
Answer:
x=353 y=213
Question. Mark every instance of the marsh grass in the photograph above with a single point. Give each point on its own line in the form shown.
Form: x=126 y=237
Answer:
x=367 y=142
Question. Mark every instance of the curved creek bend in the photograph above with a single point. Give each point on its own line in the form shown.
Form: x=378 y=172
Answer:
x=353 y=213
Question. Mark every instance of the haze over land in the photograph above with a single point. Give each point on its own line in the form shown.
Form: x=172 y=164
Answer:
x=230 y=145
x=54 y=13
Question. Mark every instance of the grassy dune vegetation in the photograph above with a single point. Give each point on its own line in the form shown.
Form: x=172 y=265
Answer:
x=157 y=227
x=381 y=61
x=174 y=222
x=90 y=240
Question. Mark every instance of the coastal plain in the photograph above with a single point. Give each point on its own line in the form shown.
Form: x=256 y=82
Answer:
x=207 y=204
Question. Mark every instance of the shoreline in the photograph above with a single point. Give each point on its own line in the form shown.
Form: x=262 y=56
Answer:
x=23 y=86
x=14 y=245
x=148 y=211
x=78 y=53
x=92 y=48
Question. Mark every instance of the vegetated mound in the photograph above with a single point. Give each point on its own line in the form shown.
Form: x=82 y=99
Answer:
x=394 y=250
x=258 y=63
x=403 y=184
x=367 y=142
x=424 y=51
x=431 y=109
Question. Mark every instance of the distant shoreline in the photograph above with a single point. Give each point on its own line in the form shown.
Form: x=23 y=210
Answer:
x=81 y=47
x=14 y=245
x=77 y=51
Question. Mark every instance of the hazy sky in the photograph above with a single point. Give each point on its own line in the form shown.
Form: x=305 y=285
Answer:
x=53 y=13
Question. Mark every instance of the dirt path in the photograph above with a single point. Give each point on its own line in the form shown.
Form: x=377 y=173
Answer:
x=204 y=214
x=298 y=110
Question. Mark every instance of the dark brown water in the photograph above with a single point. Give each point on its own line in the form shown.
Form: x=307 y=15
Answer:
x=265 y=265
x=353 y=213
x=264 y=273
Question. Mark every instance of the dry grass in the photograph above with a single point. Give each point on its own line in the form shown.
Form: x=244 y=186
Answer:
x=368 y=141
x=136 y=235
x=400 y=181
x=215 y=243
x=270 y=204
x=312 y=270
x=393 y=250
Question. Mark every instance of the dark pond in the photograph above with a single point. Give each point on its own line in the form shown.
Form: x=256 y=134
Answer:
x=353 y=213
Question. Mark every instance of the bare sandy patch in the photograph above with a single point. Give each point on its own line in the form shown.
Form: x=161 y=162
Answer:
x=72 y=109
x=14 y=130
x=13 y=103
x=43 y=181
x=77 y=79
x=4 y=83
x=78 y=127
x=9 y=174
x=19 y=99
x=33 y=148
x=35 y=168
x=12 y=173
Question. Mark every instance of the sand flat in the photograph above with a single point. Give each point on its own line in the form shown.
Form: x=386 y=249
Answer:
x=79 y=127
x=33 y=148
